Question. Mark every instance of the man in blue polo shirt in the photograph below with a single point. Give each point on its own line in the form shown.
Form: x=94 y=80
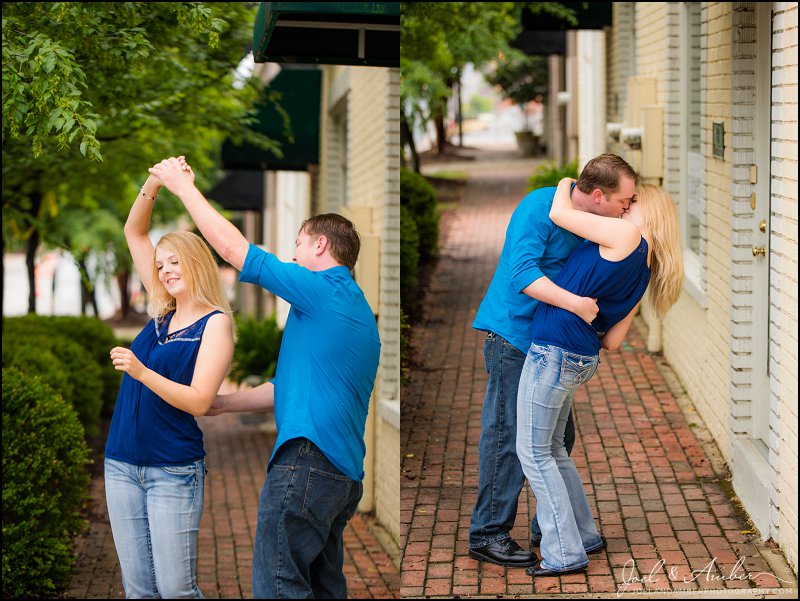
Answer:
x=534 y=251
x=324 y=378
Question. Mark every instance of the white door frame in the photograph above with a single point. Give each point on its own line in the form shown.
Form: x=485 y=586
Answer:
x=761 y=280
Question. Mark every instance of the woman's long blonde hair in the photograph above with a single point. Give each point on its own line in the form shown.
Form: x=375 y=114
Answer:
x=198 y=270
x=666 y=263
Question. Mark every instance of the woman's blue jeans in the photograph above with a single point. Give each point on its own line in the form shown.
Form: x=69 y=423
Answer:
x=547 y=387
x=500 y=476
x=155 y=519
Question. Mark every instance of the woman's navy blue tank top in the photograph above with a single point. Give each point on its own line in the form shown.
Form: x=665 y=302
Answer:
x=146 y=430
x=617 y=286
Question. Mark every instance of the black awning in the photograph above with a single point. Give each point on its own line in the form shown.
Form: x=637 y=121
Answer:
x=545 y=34
x=331 y=33
x=590 y=15
x=541 y=42
x=240 y=190
x=300 y=90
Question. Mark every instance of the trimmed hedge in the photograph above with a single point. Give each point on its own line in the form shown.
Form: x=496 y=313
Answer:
x=409 y=255
x=65 y=366
x=419 y=197
x=45 y=486
x=89 y=332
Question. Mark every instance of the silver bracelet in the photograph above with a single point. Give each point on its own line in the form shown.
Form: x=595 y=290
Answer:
x=146 y=196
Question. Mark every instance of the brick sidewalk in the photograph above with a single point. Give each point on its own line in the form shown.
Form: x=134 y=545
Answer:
x=237 y=452
x=656 y=484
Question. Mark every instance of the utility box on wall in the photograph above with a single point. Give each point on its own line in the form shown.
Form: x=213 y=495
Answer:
x=652 y=165
x=641 y=93
x=368 y=266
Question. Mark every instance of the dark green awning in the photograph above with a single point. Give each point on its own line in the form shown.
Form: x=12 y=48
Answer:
x=300 y=89
x=331 y=33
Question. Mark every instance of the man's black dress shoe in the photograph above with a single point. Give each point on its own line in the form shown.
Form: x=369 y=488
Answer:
x=505 y=553
x=538 y=570
x=535 y=542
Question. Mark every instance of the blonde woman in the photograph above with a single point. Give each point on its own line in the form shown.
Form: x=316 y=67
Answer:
x=615 y=264
x=154 y=456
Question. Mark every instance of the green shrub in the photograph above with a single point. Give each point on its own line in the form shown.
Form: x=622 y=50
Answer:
x=63 y=365
x=409 y=255
x=549 y=174
x=257 y=348
x=419 y=197
x=45 y=486
x=92 y=334
x=405 y=342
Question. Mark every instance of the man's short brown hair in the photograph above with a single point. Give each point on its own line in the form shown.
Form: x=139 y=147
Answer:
x=604 y=172
x=342 y=236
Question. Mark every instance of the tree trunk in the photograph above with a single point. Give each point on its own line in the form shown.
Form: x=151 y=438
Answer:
x=31 y=246
x=123 y=278
x=441 y=134
x=407 y=136
x=460 y=114
x=87 y=289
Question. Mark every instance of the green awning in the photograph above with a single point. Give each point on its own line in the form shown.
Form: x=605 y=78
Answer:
x=331 y=33
x=300 y=89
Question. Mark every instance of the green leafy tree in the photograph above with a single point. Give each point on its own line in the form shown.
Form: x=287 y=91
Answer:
x=438 y=39
x=95 y=93
x=521 y=77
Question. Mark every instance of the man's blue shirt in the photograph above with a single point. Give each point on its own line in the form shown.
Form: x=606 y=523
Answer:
x=534 y=247
x=328 y=359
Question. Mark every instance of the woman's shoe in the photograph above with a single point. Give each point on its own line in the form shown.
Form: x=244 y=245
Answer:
x=538 y=570
x=600 y=548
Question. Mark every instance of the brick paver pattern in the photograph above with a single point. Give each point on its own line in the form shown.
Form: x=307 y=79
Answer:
x=652 y=488
x=237 y=451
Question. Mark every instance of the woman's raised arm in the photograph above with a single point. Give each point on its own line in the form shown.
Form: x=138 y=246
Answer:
x=137 y=231
x=611 y=232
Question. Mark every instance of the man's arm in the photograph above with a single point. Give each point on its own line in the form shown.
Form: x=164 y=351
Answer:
x=544 y=290
x=258 y=399
x=220 y=233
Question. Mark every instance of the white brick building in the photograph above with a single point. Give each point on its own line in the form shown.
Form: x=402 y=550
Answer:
x=713 y=85
x=359 y=177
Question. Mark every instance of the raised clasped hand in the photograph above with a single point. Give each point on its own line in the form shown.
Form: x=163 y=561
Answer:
x=174 y=173
x=124 y=360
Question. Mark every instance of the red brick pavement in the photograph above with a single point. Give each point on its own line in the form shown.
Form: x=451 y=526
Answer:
x=657 y=495
x=237 y=452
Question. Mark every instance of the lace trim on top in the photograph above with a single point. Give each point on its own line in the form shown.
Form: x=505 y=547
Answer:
x=191 y=333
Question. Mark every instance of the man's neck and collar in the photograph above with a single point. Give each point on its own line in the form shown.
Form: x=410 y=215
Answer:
x=323 y=263
x=580 y=200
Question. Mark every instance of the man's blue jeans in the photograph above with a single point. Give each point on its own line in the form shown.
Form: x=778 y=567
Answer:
x=155 y=519
x=304 y=508
x=547 y=387
x=500 y=476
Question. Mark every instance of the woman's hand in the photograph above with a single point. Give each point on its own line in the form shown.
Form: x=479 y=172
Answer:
x=124 y=360
x=175 y=174
x=152 y=185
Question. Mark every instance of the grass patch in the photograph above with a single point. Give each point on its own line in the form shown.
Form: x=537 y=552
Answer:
x=454 y=175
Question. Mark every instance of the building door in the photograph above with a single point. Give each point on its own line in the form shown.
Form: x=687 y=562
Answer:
x=761 y=177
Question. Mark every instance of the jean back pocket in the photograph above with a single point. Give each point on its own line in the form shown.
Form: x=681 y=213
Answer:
x=576 y=369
